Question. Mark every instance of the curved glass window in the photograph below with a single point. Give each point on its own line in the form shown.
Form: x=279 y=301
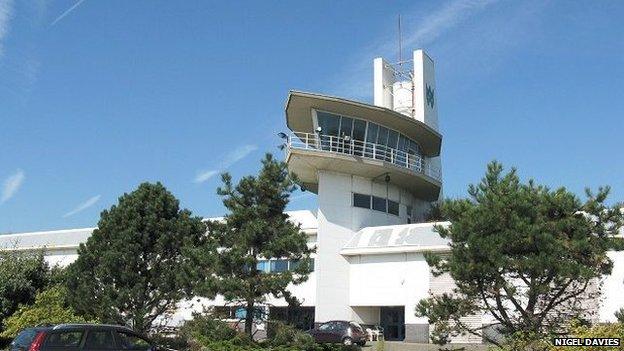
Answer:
x=362 y=138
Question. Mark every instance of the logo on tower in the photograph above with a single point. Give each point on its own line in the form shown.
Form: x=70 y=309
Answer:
x=430 y=97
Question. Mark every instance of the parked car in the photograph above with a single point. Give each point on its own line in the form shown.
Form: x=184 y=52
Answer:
x=81 y=337
x=347 y=333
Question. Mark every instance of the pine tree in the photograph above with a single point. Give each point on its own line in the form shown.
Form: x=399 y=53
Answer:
x=523 y=254
x=255 y=228
x=133 y=269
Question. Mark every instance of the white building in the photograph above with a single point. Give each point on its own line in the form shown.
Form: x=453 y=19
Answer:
x=376 y=170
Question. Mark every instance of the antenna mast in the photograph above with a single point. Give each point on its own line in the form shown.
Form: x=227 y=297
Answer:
x=400 y=43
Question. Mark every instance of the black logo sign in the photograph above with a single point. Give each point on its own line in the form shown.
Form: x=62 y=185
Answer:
x=430 y=96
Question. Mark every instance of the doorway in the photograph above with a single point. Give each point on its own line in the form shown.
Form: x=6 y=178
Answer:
x=392 y=320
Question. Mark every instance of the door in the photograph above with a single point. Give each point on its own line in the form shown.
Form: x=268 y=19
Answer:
x=325 y=331
x=99 y=340
x=392 y=320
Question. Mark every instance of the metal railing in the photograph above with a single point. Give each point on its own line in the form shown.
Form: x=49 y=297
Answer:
x=348 y=146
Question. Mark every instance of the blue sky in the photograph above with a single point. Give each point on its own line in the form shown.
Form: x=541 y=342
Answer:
x=98 y=96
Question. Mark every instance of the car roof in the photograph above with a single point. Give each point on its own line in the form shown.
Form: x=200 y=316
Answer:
x=90 y=326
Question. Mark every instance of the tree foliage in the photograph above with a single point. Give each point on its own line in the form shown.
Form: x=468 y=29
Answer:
x=524 y=254
x=255 y=228
x=133 y=269
x=49 y=307
x=22 y=276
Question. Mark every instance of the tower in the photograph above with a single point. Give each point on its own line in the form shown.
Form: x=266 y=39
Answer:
x=371 y=165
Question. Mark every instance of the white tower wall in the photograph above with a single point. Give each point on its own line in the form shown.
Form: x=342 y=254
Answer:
x=383 y=79
x=338 y=221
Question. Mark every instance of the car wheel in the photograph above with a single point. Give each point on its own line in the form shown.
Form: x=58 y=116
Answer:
x=347 y=341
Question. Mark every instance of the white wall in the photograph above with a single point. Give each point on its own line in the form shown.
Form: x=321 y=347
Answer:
x=613 y=289
x=61 y=258
x=338 y=222
x=390 y=280
x=335 y=229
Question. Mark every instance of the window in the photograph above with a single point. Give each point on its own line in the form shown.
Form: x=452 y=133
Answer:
x=262 y=265
x=379 y=204
x=359 y=136
x=346 y=127
x=294 y=264
x=382 y=137
x=393 y=207
x=279 y=265
x=25 y=337
x=328 y=122
x=129 y=341
x=393 y=138
x=361 y=200
x=359 y=130
x=70 y=338
x=99 y=340
x=258 y=312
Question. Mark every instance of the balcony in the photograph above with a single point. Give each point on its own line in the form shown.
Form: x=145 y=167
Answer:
x=309 y=152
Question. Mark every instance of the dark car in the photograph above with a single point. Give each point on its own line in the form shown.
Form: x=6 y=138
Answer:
x=347 y=333
x=81 y=337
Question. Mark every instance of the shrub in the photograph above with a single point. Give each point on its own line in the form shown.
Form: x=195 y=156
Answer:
x=49 y=308
x=286 y=335
x=204 y=329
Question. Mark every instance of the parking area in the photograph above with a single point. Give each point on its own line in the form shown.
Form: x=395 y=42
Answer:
x=406 y=346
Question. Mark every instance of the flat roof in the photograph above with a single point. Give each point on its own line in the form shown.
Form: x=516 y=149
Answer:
x=299 y=107
x=72 y=238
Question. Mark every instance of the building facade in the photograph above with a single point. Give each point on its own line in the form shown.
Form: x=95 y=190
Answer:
x=376 y=171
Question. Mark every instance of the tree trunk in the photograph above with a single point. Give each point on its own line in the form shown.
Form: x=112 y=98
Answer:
x=249 y=318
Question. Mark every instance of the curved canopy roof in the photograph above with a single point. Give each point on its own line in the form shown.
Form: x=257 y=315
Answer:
x=417 y=237
x=299 y=118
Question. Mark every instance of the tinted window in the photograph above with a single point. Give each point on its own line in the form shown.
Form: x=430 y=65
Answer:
x=128 y=341
x=25 y=337
x=99 y=339
x=328 y=122
x=325 y=327
x=393 y=207
x=359 y=129
x=361 y=200
x=371 y=137
x=393 y=138
x=262 y=266
x=379 y=204
x=346 y=126
x=382 y=137
x=279 y=265
x=70 y=338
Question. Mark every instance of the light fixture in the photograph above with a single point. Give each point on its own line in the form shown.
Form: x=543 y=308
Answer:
x=282 y=135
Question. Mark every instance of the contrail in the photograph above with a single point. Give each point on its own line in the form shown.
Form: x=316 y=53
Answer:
x=67 y=12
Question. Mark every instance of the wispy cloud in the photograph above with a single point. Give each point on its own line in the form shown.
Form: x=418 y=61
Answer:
x=354 y=80
x=442 y=20
x=229 y=159
x=83 y=206
x=67 y=12
x=205 y=175
x=11 y=185
x=6 y=13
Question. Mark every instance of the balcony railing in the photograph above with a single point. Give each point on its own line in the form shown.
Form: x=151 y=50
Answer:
x=348 y=146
